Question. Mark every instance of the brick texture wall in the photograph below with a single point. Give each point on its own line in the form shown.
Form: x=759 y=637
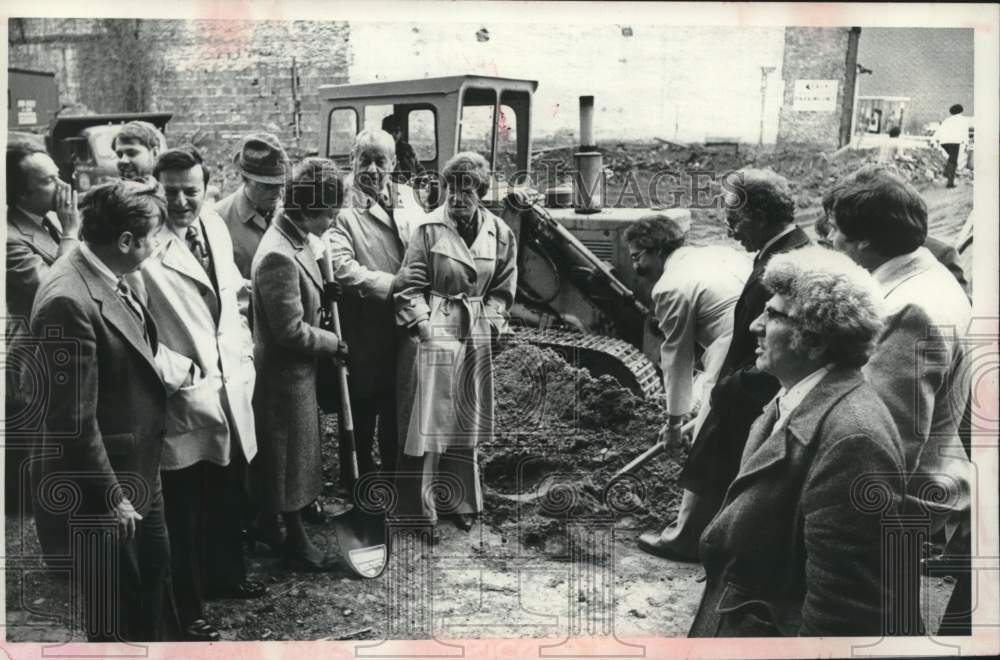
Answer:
x=221 y=79
x=815 y=54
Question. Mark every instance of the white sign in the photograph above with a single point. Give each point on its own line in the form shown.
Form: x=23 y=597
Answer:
x=815 y=96
x=27 y=118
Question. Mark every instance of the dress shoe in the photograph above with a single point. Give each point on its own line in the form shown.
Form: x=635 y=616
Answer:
x=200 y=630
x=244 y=590
x=652 y=543
x=313 y=512
x=464 y=521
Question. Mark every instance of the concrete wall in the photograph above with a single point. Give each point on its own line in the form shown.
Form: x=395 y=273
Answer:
x=815 y=54
x=648 y=80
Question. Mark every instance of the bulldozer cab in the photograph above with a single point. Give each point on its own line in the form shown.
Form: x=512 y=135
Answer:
x=440 y=117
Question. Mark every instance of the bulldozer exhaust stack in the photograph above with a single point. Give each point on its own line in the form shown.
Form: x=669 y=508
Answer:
x=588 y=182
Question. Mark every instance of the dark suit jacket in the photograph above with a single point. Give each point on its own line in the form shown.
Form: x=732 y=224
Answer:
x=948 y=256
x=740 y=391
x=797 y=548
x=104 y=424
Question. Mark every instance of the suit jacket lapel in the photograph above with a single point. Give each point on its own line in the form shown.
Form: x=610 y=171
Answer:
x=36 y=235
x=178 y=257
x=114 y=312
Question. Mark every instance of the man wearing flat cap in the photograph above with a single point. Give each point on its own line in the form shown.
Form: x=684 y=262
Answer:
x=263 y=163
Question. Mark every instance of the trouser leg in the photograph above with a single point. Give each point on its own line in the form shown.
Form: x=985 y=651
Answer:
x=224 y=491
x=184 y=513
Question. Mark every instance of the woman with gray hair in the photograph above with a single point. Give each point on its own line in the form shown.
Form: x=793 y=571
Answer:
x=453 y=293
x=797 y=547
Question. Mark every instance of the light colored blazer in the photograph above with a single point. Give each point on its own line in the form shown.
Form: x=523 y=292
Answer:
x=920 y=369
x=693 y=302
x=207 y=327
x=366 y=249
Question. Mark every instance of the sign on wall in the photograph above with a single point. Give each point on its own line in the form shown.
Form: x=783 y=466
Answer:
x=815 y=96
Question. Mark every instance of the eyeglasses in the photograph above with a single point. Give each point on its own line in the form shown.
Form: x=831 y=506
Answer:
x=635 y=256
x=771 y=314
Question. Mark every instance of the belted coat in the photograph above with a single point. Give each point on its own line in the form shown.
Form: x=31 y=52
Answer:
x=465 y=293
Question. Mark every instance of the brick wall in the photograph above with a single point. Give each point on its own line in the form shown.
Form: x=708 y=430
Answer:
x=221 y=79
x=816 y=54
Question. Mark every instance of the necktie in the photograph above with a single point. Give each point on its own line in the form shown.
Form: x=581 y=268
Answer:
x=51 y=229
x=467 y=230
x=197 y=247
x=125 y=293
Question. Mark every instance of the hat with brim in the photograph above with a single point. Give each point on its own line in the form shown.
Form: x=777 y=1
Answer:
x=261 y=158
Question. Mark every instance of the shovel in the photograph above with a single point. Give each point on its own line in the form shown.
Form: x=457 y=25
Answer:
x=361 y=535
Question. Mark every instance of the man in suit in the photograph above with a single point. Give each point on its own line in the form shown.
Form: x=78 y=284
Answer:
x=264 y=166
x=137 y=145
x=920 y=367
x=760 y=214
x=367 y=244
x=192 y=287
x=103 y=426
x=42 y=226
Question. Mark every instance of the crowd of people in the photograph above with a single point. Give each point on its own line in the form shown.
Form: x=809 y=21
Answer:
x=182 y=345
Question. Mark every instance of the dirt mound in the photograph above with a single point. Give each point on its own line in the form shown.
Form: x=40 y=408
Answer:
x=561 y=435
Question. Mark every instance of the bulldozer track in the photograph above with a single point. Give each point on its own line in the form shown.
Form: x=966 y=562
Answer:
x=600 y=355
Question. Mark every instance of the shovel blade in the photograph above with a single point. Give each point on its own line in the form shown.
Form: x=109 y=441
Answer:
x=363 y=542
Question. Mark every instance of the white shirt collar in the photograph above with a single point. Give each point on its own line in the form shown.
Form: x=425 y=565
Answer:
x=789 y=400
x=109 y=277
x=787 y=230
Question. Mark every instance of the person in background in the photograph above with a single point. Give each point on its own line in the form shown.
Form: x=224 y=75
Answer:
x=42 y=226
x=264 y=167
x=920 y=366
x=694 y=293
x=103 y=426
x=946 y=254
x=367 y=243
x=407 y=164
x=887 y=152
x=193 y=288
x=453 y=294
x=794 y=551
x=760 y=214
x=952 y=135
x=137 y=145
x=288 y=345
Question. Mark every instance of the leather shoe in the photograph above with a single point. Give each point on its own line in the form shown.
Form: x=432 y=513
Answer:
x=300 y=562
x=200 y=630
x=652 y=543
x=313 y=512
x=253 y=535
x=464 y=521
x=244 y=590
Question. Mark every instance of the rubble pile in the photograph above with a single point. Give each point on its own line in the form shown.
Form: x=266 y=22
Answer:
x=560 y=437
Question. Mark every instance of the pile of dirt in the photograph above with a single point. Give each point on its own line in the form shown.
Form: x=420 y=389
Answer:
x=560 y=437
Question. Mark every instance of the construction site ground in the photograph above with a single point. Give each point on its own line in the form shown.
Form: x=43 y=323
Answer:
x=532 y=564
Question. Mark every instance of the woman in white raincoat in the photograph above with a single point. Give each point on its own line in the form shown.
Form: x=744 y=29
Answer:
x=453 y=293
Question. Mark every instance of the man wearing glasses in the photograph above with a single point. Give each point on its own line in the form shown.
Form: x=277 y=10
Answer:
x=760 y=215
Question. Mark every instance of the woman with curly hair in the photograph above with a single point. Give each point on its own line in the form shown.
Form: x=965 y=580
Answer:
x=796 y=548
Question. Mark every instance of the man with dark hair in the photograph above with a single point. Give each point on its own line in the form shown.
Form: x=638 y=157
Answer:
x=951 y=135
x=407 y=163
x=103 y=425
x=264 y=166
x=192 y=287
x=367 y=243
x=137 y=145
x=42 y=226
x=760 y=214
x=920 y=365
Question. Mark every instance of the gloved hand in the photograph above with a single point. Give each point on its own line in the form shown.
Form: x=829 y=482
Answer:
x=332 y=291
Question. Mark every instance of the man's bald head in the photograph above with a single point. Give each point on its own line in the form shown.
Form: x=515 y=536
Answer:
x=374 y=157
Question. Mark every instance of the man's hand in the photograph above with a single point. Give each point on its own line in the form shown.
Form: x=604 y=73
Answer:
x=127 y=518
x=66 y=210
x=424 y=330
x=340 y=357
x=675 y=432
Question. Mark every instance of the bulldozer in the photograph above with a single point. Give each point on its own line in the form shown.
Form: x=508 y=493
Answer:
x=577 y=292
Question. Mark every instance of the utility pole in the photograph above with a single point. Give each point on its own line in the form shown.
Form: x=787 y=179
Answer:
x=854 y=106
x=764 y=71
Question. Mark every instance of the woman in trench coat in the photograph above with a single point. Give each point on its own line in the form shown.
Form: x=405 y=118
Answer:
x=453 y=293
x=288 y=345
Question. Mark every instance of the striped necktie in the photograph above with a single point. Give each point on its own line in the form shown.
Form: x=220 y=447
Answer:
x=197 y=247
x=125 y=293
x=51 y=230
